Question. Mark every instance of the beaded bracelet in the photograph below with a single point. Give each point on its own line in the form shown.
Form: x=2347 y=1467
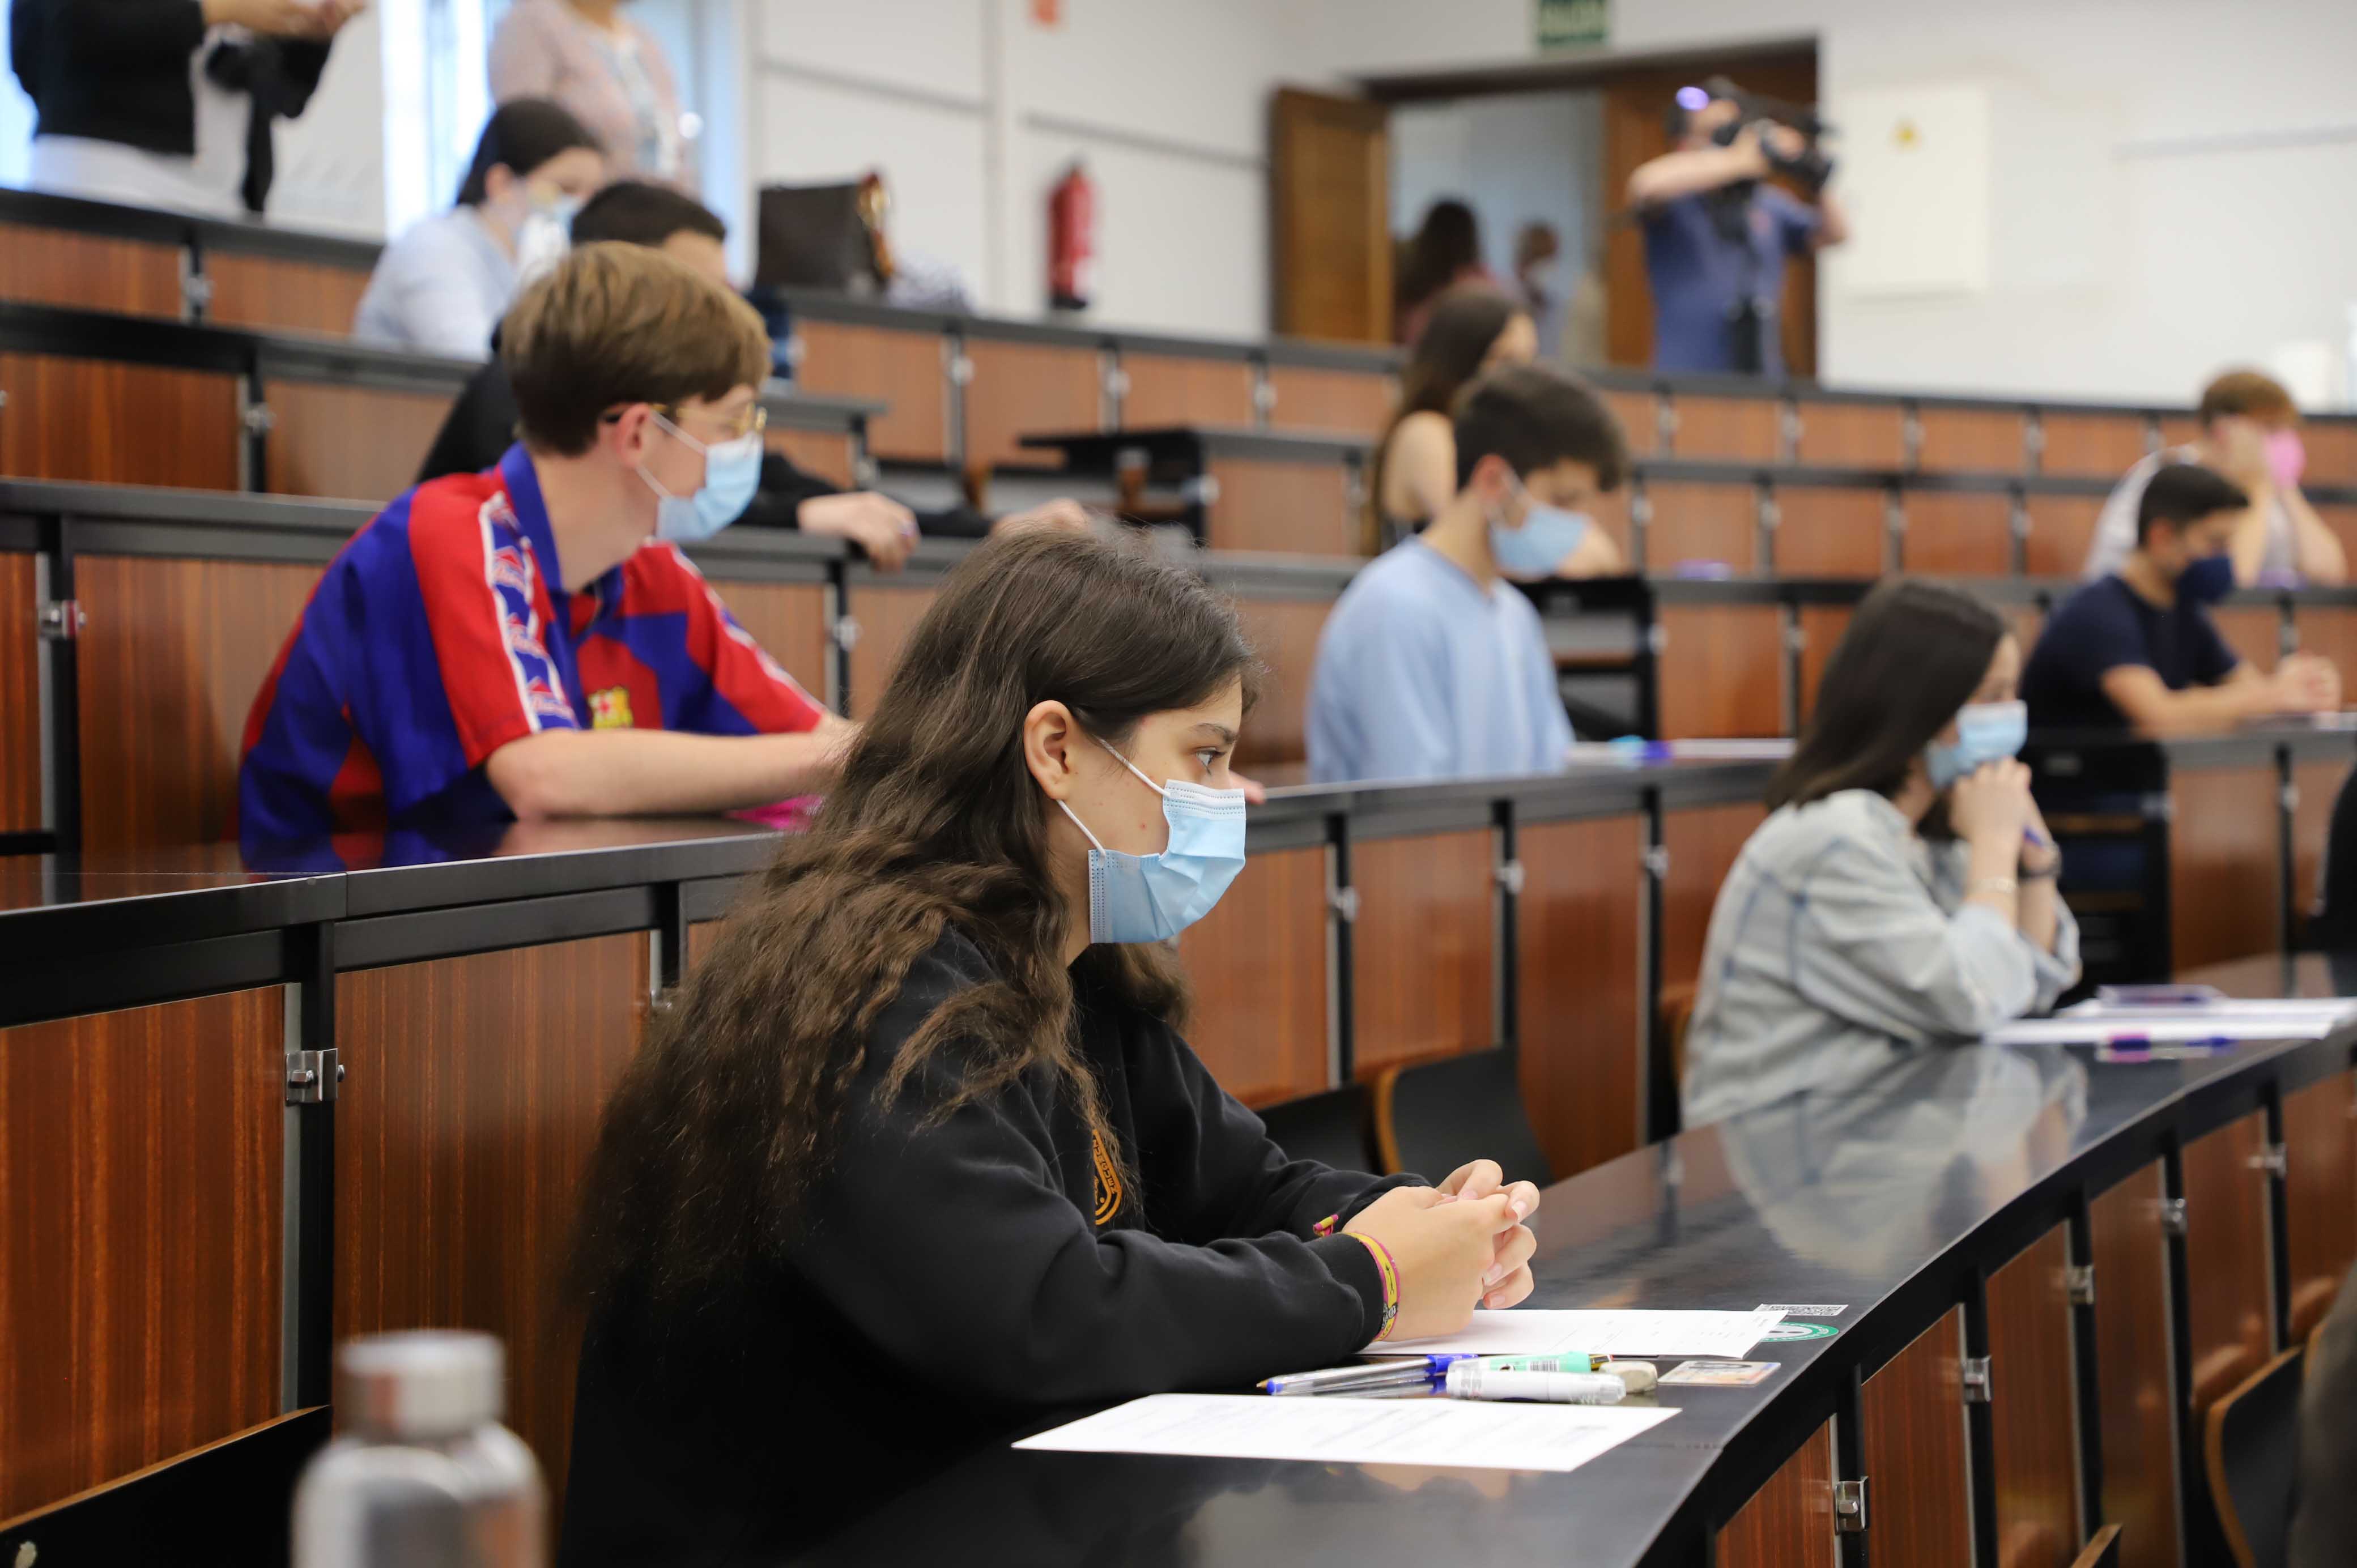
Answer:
x=1390 y=1272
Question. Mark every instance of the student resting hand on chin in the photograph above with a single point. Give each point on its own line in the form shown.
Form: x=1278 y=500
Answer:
x=920 y=1155
x=1902 y=893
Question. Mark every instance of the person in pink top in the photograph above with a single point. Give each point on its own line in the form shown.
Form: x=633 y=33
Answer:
x=610 y=71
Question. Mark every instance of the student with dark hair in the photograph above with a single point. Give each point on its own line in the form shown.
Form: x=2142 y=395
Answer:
x=2138 y=648
x=1902 y=892
x=921 y=1155
x=2250 y=434
x=1474 y=329
x=529 y=641
x=1432 y=667
x=1445 y=253
x=441 y=287
x=482 y=423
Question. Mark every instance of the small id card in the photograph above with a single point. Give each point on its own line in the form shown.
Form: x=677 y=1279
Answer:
x=1718 y=1374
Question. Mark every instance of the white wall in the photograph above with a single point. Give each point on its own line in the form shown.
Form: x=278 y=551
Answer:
x=972 y=111
x=2172 y=179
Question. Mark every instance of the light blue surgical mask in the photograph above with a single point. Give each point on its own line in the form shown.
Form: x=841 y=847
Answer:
x=1986 y=732
x=732 y=472
x=1548 y=534
x=1153 y=897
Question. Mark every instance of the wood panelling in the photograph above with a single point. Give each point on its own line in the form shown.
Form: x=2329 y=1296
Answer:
x=1702 y=522
x=1826 y=532
x=1912 y=1429
x=1029 y=389
x=1284 y=632
x=2226 y=1257
x=1640 y=417
x=2034 y=1407
x=1581 y=1036
x=1722 y=671
x=825 y=453
x=1853 y=434
x=2319 y=1196
x=886 y=618
x=2331 y=454
x=2179 y=430
x=2061 y=528
x=789 y=620
x=1956 y=534
x=170 y=662
x=2097 y=444
x=140 y=1160
x=2343 y=522
x=277 y=293
x=20 y=695
x=1972 y=440
x=91 y=272
x=1166 y=389
x=2131 y=1260
x=475 y=1090
x=1423 y=949
x=1822 y=626
x=1789 y=1521
x=1302 y=509
x=2330 y=632
x=902 y=369
x=2254 y=632
x=1258 y=961
x=2223 y=898
x=2318 y=785
x=1353 y=402
x=117 y=424
x=348 y=443
x=1703 y=841
x=1745 y=429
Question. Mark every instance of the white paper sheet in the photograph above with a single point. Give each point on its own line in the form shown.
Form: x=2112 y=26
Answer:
x=1529 y=1331
x=2163 y=1031
x=1472 y=1433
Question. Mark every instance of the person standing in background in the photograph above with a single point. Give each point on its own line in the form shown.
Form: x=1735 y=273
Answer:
x=444 y=285
x=2250 y=434
x=168 y=102
x=1446 y=252
x=1539 y=284
x=1717 y=239
x=607 y=70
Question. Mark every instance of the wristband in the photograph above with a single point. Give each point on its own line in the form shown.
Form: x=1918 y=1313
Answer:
x=1390 y=1272
x=2048 y=874
x=2005 y=885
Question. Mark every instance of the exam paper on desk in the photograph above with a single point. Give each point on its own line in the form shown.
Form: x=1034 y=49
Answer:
x=1538 y=1331
x=1463 y=1433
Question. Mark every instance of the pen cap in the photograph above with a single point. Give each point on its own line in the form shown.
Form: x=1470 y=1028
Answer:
x=427 y=1384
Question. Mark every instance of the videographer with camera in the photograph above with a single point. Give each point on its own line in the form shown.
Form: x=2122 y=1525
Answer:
x=1717 y=236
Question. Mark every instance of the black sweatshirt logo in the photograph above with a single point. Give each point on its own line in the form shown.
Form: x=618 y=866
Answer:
x=1108 y=1182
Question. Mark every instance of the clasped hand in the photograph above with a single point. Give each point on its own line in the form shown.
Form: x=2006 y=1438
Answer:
x=1455 y=1246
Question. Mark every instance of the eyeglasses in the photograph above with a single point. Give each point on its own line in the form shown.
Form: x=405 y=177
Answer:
x=753 y=420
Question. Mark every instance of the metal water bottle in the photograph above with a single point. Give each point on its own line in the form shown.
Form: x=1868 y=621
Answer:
x=425 y=1475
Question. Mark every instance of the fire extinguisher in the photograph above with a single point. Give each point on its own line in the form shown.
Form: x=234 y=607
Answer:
x=1072 y=240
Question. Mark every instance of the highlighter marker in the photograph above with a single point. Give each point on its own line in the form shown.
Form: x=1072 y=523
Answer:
x=1563 y=1361
x=1472 y=1381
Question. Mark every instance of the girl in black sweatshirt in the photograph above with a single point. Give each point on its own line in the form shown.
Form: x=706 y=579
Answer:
x=921 y=1155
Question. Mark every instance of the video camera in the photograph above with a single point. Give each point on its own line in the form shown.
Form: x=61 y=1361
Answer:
x=1809 y=169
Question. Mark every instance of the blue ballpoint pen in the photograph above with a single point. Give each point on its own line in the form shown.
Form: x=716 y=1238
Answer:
x=1393 y=1371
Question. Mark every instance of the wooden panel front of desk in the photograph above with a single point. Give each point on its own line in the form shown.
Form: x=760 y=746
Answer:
x=1726 y=429
x=1258 y=964
x=2316 y=787
x=1853 y=434
x=141 y=1155
x=1957 y=534
x=2137 y=1424
x=1821 y=628
x=2061 y=529
x=907 y=370
x=1300 y=509
x=1580 y=1015
x=2098 y=446
x=886 y=618
x=1356 y=403
x=1020 y=389
x=1703 y=841
x=2319 y=1195
x=1972 y=440
x=2225 y=894
x=173 y=656
x=115 y=423
x=1912 y=1441
x=348 y=443
x=1702 y=522
x=2033 y=1406
x=279 y=293
x=790 y=621
x=826 y=453
x=1789 y=1521
x=2254 y=632
x=1164 y=390
x=89 y=271
x=1721 y=671
x=1284 y=634
x=2227 y=1265
x=20 y=694
x=474 y=1092
x=1822 y=531
x=1422 y=948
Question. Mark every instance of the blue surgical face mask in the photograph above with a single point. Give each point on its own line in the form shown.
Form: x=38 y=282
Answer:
x=1548 y=534
x=732 y=472
x=1153 y=897
x=2206 y=580
x=1986 y=732
x=545 y=235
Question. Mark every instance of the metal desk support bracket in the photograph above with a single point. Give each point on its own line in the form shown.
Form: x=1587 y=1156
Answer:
x=2080 y=1283
x=1849 y=1506
x=1978 y=1379
x=2172 y=1215
x=312 y=1076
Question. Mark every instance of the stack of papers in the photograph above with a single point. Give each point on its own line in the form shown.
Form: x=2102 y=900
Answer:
x=2092 y=1023
x=1347 y=1431
x=1530 y=1331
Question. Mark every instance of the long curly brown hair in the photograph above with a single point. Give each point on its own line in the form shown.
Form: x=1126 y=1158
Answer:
x=721 y=1125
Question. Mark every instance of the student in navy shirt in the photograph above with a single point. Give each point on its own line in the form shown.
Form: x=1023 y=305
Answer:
x=2138 y=650
x=1716 y=238
x=529 y=641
